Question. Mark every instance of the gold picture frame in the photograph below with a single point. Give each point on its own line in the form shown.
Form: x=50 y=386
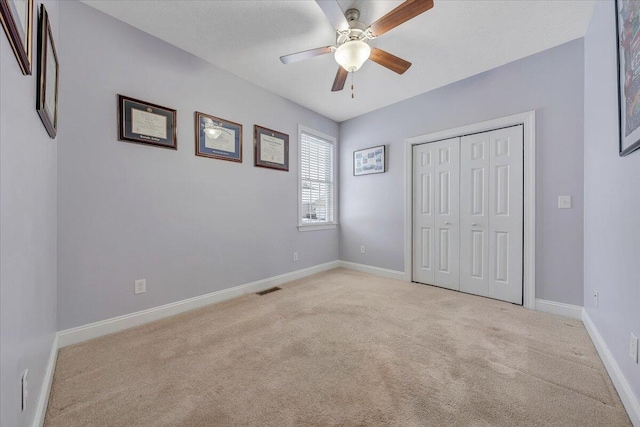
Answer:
x=217 y=138
x=271 y=149
x=145 y=123
x=48 y=68
x=17 y=21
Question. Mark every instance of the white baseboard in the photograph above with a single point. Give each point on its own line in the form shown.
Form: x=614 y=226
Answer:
x=559 y=308
x=629 y=400
x=43 y=399
x=116 y=324
x=384 y=272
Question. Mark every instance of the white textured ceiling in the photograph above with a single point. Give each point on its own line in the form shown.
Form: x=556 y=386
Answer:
x=452 y=41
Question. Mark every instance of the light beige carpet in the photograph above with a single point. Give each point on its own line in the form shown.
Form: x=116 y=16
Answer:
x=341 y=348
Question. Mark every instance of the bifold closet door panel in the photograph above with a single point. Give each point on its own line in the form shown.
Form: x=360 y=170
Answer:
x=474 y=214
x=423 y=213
x=506 y=210
x=447 y=213
x=436 y=244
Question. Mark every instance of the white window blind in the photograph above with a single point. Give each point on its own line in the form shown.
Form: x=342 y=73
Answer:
x=316 y=180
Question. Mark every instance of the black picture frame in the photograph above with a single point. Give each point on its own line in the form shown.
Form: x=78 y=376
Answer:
x=271 y=148
x=228 y=136
x=628 y=47
x=48 y=75
x=20 y=34
x=370 y=160
x=145 y=123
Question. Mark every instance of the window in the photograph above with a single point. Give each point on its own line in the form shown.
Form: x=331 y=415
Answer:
x=317 y=204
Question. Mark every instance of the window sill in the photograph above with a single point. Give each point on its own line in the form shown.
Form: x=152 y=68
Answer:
x=316 y=227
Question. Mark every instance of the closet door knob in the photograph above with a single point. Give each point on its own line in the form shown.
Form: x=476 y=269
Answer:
x=447 y=223
x=474 y=224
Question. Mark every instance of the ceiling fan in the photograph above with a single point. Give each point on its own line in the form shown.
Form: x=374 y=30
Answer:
x=352 y=48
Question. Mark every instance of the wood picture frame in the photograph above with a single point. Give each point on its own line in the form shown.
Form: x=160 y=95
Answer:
x=17 y=21
x=48 y=75
x=217 y=138
x=369 y=160
x=145 y=123
x=628 y=50
x=271 y=148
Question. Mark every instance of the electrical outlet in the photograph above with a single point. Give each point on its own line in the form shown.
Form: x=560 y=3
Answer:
x=596 y=295
x=633 y=348
x=362 y=249
x=25 y=389
x=564 y=202
x=295 y=256
x=140 y=286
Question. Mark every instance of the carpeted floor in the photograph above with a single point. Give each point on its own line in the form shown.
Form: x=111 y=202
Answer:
x=340 y=348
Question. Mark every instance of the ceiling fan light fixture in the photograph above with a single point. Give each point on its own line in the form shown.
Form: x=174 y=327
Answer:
x=352 y=54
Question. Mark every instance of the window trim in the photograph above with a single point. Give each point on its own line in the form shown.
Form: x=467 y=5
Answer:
x=333 y=140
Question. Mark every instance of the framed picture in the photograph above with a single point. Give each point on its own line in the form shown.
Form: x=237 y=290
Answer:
x=271 y=148
x=628 y=37
x=17 y=21
x=218 y=138
x=145 y=123
x=47 y=93
x=368 y=161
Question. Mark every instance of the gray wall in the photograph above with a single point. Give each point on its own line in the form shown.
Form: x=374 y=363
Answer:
x=28 y=231
x=551 y=83
x=189 y=225
x=612 y=202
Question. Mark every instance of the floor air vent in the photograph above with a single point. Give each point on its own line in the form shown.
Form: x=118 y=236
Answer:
x=268 y=291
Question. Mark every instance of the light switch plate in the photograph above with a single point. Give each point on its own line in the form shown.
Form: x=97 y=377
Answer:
x=633 y=348
x=564 y=202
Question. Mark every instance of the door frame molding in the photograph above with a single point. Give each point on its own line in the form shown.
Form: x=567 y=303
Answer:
x=528 y=120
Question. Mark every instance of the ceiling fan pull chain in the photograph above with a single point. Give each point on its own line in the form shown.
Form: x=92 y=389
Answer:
x=352 y=92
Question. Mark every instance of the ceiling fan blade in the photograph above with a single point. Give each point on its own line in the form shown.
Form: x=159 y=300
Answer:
x=341 y=78
x=332 y=10
x=305 y=54
x=389 y=61
x=401 y=14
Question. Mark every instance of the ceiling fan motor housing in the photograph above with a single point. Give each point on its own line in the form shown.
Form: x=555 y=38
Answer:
x=357 y=30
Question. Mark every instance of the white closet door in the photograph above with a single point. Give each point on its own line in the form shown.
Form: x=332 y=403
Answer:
x=474 y=214
x=506 y=214
x=447 y=214
x=468 y=213
x=436 y=244
x=423 y=212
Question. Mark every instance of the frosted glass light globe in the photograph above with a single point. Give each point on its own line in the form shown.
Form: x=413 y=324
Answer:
x=352 y=54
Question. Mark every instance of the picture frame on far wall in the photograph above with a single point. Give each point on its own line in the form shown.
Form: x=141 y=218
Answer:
x=271 y=148
x=48 y=69
x=369 y=160
x=17 y=20
x=628 y=48
x=142 y=122
x=217 y=138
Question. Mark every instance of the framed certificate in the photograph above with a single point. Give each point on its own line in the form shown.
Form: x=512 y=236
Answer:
x=145 y=123
x=47 y=92
x=368 y=161
x=17 y=19
x=271 y=148
x=218 y=138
